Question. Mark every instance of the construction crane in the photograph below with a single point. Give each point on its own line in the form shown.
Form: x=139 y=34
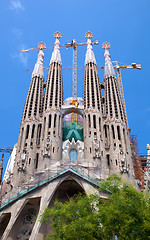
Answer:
x=106 y=45
x=74 y=44
x=119 y=81
x=6 y=150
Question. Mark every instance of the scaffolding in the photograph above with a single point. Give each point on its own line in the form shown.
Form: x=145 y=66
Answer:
x=139 y=175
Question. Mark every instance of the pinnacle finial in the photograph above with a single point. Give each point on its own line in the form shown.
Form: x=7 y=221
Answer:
x=41 y=46
x=38 y=69
x=89 y=34
x=89 y=58
x=57 y=35
x=56 y=53
x=109 y=69
x=106 y=45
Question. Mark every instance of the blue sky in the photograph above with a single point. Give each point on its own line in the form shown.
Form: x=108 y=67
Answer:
x=124 y=24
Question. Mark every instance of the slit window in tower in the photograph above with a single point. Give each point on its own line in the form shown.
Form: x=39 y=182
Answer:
x=56 y=93
x=105 y=130
x=52 y=88
x=49 y=122
x=33 y=128
x=124 y=138
x=89 y=120
x=113 y=131
x=100 y=124
x=118 y=132
x=21 y=138
x=39 y=133
x=44 y=127
x=108 y=159
x=88 y=95
x=36 y=160
x=94 y=121
x=27 y=131
x=55 y=120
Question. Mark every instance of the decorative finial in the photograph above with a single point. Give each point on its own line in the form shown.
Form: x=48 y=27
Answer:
x=57 y=35
x=41 y=46
x=89 y=34
x=38 y=69
x=109 y=69
x=106 y=45
x=148 y=147
x=56 y=53
x=89 y=58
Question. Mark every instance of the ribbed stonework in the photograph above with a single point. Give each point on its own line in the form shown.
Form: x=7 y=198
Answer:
x=52 y=122
x=28 y=145
x=92 y=108
x=116 y=135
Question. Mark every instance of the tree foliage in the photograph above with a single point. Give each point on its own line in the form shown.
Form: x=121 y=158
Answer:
x=125 y=214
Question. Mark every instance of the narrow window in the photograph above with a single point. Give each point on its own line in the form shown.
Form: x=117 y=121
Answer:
x=49 y=123
x=124 y=137
x=33 y=128
x=94 y=121
x=113 y=131
x=21 y=138
x=36 y=160
x=105 y=130
x=39 y=133
x=27 y=132
x=116 y=162
x=108 y=159
x=44 y=127
x=89 y=121
x=118 y=131
x=100 y=124
x=55 y=120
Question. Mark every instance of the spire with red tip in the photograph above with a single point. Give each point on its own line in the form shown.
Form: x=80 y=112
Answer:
x=90 y=58
x=38 y=69
x=109 y=69
x=56 y=57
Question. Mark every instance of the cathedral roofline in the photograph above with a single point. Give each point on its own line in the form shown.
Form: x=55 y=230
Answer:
x=65 y=172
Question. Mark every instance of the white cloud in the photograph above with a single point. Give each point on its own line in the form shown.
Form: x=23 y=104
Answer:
x=17 y=32
x=22 y=57
x=16 y=5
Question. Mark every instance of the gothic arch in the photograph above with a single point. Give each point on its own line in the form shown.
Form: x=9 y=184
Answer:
x=4 y=220
x=22 y=228
x=66 y=189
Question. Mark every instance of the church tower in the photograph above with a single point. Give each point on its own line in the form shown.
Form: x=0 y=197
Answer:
x=116 y=133
x=28 y=147
x=53 y=100
x=92 y=98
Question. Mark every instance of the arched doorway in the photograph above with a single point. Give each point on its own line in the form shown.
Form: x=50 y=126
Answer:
x=64 y=192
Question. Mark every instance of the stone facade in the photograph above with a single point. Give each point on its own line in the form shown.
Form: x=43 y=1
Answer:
x=46 y=167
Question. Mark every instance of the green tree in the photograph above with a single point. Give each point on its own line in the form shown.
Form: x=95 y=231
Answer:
x=125 y=213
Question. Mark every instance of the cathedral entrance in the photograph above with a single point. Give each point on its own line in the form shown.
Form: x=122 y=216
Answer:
x=68 y=189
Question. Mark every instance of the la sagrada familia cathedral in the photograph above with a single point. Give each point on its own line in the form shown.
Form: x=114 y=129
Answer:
x=56 y=157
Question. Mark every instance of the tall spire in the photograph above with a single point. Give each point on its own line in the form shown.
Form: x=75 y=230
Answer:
x=109 y=69
x=56 y=53
x=38 y=69
x=90 y=58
